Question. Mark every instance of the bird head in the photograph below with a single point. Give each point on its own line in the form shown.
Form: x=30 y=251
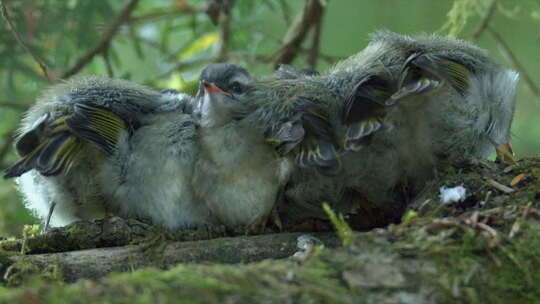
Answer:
x=222 y=88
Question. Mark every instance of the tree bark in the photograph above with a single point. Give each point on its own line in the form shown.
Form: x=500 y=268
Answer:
x=96 y=263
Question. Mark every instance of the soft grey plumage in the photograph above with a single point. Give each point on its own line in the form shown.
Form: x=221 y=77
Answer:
x=152 y=169
x=384 y=119
x=237 y=174
x=105 y=146
x=165 y=157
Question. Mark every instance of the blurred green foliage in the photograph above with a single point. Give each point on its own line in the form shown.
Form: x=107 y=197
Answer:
x=165 y=43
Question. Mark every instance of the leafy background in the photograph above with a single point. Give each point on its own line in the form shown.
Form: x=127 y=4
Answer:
x=165 y=43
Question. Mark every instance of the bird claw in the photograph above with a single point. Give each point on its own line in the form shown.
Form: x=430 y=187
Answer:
x=276 y=220
x=505 y=153
x=260 y=225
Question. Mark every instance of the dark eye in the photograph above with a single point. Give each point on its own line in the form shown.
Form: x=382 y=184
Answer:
x=237 y=87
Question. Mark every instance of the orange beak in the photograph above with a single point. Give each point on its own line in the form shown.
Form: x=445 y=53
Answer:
x=211 y=88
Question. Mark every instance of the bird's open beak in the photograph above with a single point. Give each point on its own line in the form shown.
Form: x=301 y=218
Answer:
x=211 y=88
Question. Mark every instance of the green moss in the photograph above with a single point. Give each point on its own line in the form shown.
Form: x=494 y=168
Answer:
x=4 y=258
x=343 y=229
x=11 y=245
x=20 y=272
x=275 y=282
x=5 y=263
x=534 y=187
x=504 y=275
x=475 y=266
x=408 y=217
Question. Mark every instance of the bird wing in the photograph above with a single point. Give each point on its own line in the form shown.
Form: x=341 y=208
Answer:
x=425 y=72
x=306 y=133
x=318 y=148
x=101 y=110
x=53 y=153
x=364 y=111
x=52 y=147
x=30 y=140
x=97 y=125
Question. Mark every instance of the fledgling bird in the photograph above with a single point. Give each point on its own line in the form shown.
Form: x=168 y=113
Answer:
x=95 y=146
x=223 y=174
x=164 y=157
x=237 y=174
x=384 y=118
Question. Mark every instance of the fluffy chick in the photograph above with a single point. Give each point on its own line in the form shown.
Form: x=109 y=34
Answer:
x=384 y=118
x=96 y=146
x=238 y=175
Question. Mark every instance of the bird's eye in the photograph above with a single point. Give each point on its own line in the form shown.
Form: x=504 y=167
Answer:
x=237 y=87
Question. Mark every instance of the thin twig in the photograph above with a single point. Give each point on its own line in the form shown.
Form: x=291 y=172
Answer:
x=224 y=34
x=495 y=259
x=150 y=17
x=512 y=57
x=181 y=65
x=103 y=44
x=500 y=186
x=11 y=27
x=314 y=49
x=297 y=33
x=485 y=21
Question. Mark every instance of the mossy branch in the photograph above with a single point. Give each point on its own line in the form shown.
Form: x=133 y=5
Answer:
x=157 y=252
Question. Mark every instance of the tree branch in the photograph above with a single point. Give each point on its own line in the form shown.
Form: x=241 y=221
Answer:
x=184 y=65
x=485 y=21
x=224 y=34
x=103 y=44
x=74 y=265
x=298 y=32
x=11 y=27
x=515 y=62
x=314 y=49
x=163 y=14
